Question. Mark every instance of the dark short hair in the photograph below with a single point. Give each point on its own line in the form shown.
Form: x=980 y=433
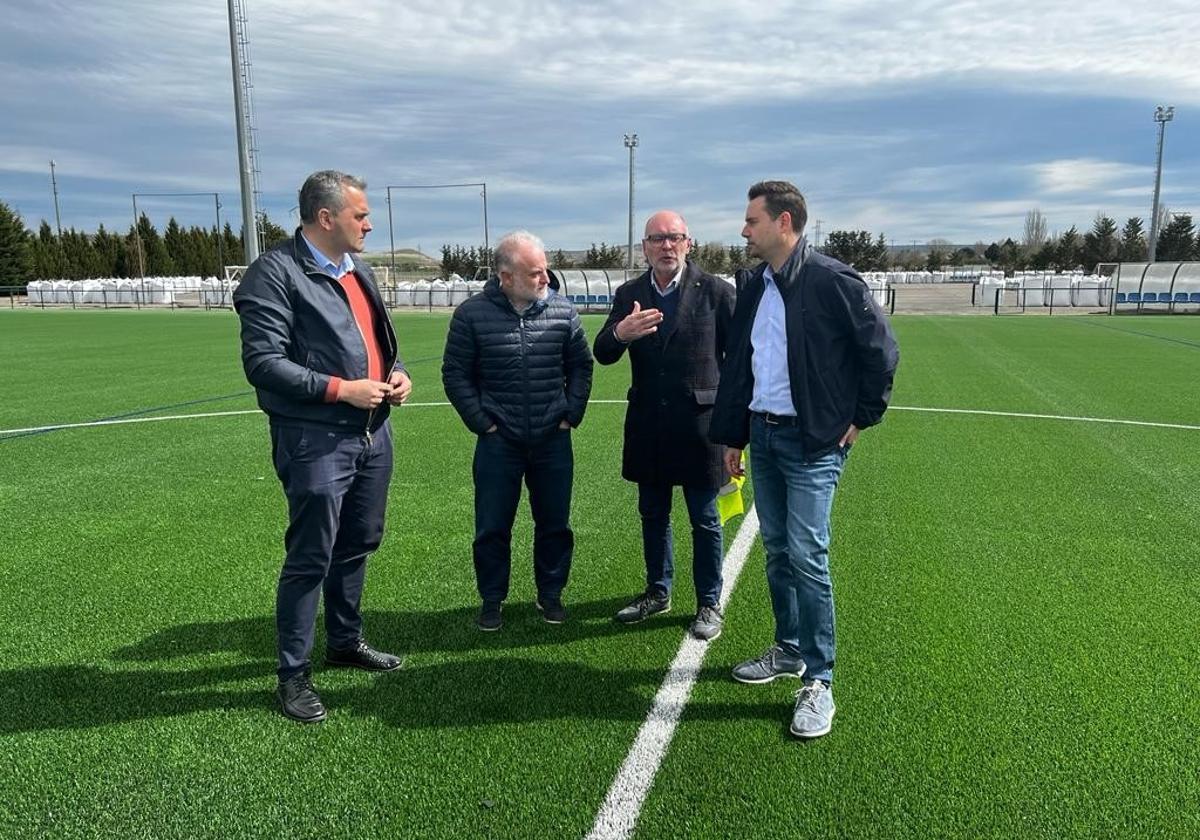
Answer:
x=779 y=196
x=326 y=189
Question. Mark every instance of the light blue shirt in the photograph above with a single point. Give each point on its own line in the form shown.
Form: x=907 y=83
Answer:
x=334 y=270
x=671 y=287
x=768 y=338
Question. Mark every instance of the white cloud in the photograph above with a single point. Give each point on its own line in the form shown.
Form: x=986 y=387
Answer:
x=1087 y=175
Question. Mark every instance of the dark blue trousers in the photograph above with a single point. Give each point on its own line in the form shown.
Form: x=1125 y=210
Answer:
x=336 y=486
x=654 y=505
x=547 y=467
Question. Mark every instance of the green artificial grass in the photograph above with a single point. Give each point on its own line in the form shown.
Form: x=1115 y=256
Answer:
x=1016 y=628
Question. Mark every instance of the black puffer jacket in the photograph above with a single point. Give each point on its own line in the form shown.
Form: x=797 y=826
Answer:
x=522 y=372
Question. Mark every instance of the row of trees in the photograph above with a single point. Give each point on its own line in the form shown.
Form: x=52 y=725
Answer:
x=1037 y=250
x=177 y=251
x=204 y=251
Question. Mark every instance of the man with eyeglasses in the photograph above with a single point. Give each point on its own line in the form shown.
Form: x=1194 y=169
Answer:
x=674 y=322
x=810 y=365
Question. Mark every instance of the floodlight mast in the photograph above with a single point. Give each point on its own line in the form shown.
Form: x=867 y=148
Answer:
x=245 y=164
x=631 y=142
x=1162 y=116
x=54 y=187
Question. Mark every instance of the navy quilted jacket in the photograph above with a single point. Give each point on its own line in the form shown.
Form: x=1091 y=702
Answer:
x=523 y=372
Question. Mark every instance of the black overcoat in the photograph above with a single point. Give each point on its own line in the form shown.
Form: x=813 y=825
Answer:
x=675 y=374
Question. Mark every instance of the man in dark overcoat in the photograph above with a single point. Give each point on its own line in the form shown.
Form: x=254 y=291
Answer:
x=674 y=322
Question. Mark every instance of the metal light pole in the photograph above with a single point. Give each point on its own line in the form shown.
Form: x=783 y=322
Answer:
x=54 y=186
x=245 y=164
x=631 y=142
x=1162 y=116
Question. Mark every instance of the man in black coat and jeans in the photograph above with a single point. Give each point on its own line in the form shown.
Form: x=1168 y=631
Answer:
x=674 y=320
x=810 y=365
x=518 y=371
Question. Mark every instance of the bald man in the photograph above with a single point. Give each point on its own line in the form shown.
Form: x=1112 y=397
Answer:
x=674 y=322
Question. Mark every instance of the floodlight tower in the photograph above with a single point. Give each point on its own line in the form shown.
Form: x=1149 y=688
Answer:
x=54 y=187
x=1162 y=116
x=238 y=46
x=631 y=142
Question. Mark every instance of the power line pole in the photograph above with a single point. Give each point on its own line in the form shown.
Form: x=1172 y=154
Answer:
x=1162 y=116
x=631 y=142
x=54 y=187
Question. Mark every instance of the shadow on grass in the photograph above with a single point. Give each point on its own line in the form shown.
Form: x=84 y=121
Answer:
x=439 y=631
x=157 y=682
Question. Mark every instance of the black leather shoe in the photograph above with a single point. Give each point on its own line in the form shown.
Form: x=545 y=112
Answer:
x=362 y=656
x=298 y=699
x=551 y=609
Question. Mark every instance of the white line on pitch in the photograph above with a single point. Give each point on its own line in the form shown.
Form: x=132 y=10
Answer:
x=619 y=814
x=1111 y=420
x=977 y=411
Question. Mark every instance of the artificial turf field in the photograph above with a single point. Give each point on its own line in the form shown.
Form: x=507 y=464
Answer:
x=1018 y=632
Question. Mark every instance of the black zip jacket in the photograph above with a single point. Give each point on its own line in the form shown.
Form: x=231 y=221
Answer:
x=298 y=331
x=841 y=355
x=522 y=372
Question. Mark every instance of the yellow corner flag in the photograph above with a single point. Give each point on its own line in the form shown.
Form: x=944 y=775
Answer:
x=729 y=497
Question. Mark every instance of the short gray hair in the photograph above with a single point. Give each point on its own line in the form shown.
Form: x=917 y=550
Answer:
x=326 y=189
x=510 y=243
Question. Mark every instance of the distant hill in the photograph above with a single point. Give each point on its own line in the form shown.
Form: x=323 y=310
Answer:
x=407 y=259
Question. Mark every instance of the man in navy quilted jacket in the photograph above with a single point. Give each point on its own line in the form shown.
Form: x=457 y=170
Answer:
x=518 y=370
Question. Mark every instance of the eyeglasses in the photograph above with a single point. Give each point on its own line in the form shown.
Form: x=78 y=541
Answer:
x=660 y=238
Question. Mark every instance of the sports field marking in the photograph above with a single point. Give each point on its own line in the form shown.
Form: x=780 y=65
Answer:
x=33 y=430
x=1111 y=420
x=618 y=815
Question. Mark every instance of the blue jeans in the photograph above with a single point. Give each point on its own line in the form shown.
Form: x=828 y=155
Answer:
x=794 y=498
x=336 y=486
x=654 y=504
x=547 y=467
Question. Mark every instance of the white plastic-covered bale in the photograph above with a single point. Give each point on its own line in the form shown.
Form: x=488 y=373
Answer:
x=878 y=287
x=439 y=293
x=422 y=291
x=475 y=286
x=36 y=291
x=126 y=293
x=404 y=293
x=62 y=291
x=988 y=288
x=458 y=291
x=1033 y=289
x=157 y=291
x=90 y=292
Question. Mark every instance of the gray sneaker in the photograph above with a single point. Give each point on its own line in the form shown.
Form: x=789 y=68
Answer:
x=708 y=622
x=813 y=716
x=644 y=606
x=774 y=663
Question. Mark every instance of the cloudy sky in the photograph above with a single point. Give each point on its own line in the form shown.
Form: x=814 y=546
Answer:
x=916 y=119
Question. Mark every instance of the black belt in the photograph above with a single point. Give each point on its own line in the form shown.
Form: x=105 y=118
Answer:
x=777 y=419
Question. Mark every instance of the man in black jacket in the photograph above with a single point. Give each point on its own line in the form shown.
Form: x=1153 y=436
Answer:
x=319 y=348
x=810 y=365
x=674 y=320
x=518 y=371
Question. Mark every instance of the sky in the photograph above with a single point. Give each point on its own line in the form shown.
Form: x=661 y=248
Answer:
x=917 y=120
